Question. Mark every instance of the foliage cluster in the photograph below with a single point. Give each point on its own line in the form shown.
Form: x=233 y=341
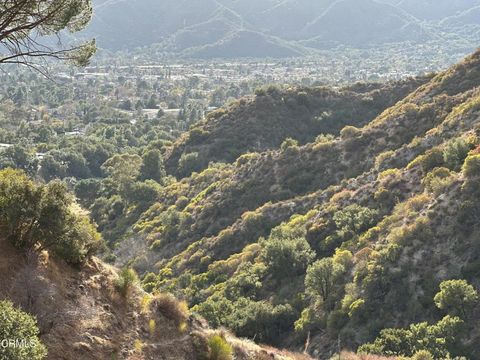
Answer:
x=36 y=217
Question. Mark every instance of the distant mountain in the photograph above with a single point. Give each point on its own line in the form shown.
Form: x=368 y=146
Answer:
x=358 y=23
x=275 y=28
x=468 y=17
x=247 y=44
x=435 y=9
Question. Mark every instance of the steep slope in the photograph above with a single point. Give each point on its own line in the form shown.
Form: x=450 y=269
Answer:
x=258 y=178
x=81 y=314
x=365 y=201
x=265 y=121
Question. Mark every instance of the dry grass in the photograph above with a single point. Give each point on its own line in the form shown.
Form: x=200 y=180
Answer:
x=247 y=349
x=353 y=356
x=171 y=308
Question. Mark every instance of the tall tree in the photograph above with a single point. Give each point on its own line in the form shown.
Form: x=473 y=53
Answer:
x=152 y=166
x=25 y=24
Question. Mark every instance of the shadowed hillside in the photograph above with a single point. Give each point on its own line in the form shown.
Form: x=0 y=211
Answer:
x=264 y=122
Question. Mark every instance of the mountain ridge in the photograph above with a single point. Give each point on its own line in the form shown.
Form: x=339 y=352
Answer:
x=308 y=26
x=316 y=111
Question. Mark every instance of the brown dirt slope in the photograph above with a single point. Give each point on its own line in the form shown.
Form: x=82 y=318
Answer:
x=81 y=315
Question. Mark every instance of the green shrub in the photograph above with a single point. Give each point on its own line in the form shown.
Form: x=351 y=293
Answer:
x=468 y=215
x=437 y=180
x=273 y=89
x=181 y=203
x=260 y=92
x=80 y=240
x=216 y=114
x=36 y=216
x=246 y=282
x=336 y=320
x=382 y=159
x=188 y=163
x=309 y=318
x=342 y=225
x=288 y=143
x=126 y=281
x=456 y=297
x=246 y=158
x=122 y=170
x=197 y=135
x=471 y=167
x=301 y=98
x=324 y=138
x=455 y=153
x=143 y=193
x=152 y=167
x=422 y=355
x=321 y=278
x=384 y=197
x=216 y=310
x=219 y=348
x=149 y=282
x=19 y=328
x=430 y=160
x=349 y=132
x=286 y=257
x=87 y=191
x=438 y=339
x=260 y=319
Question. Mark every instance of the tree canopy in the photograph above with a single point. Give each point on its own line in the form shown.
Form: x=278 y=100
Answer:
x=36 y=216
x=456 y=297
x=28 y=29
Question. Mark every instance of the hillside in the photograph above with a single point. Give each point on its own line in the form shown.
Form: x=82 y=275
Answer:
x=265 y=121
x=232 y=29
x=246 y=44
x=354 y=23
x=153 y=208
x=82 y=315
x=470 y=17
x=375 y=207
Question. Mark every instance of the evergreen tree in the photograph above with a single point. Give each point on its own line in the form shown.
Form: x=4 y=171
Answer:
x=152 y=166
